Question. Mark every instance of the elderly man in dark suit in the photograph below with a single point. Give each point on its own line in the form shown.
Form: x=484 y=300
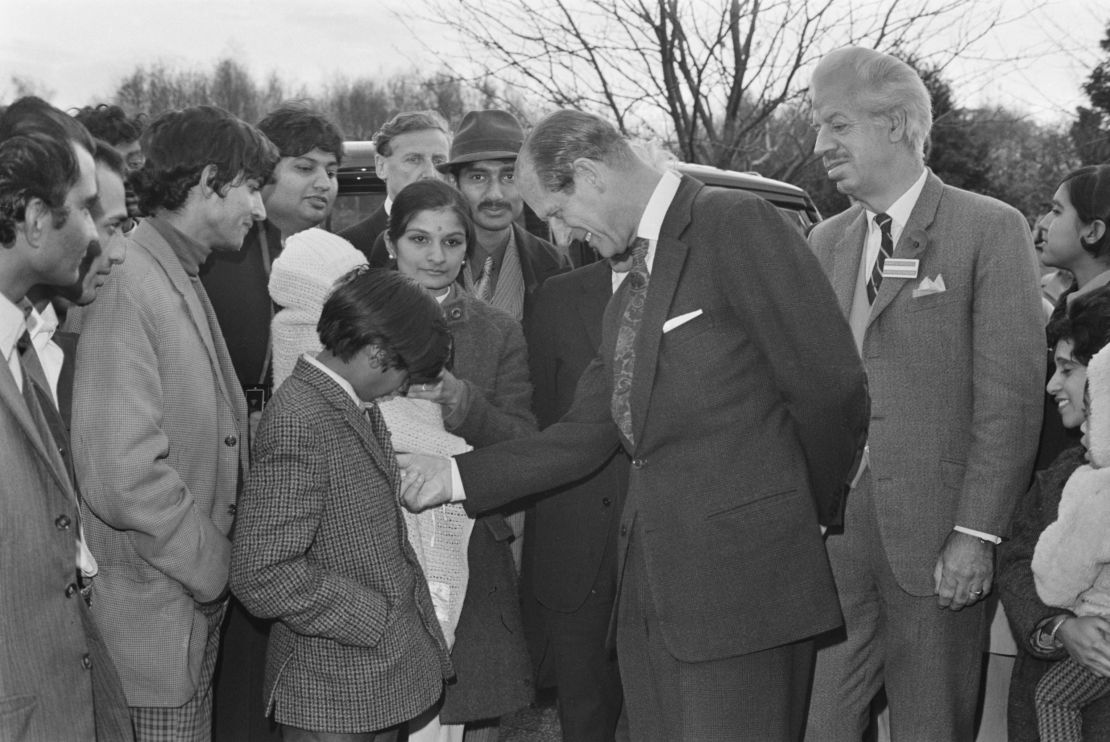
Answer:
x=940 y=289
x=159 y=420
x=742 y=404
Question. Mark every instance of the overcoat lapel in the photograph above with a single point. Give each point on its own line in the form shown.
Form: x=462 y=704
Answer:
x=912 y=243
x=155 y=244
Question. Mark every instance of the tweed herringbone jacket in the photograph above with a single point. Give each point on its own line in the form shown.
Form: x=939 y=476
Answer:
x=320 y=546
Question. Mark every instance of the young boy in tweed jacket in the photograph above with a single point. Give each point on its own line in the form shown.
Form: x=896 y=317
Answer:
x=320 y=543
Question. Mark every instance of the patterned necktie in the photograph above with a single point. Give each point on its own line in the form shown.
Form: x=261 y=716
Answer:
x=483 y=289
x=886 y=249
x=624 y=357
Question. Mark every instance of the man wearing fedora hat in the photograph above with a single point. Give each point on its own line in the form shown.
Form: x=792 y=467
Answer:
x=507 y=264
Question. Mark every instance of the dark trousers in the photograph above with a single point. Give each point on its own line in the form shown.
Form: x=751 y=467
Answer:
x=296 y=734
x=759 y=696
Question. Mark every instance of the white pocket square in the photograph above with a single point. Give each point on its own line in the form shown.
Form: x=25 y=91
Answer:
x=680 y=320
x=930 y=286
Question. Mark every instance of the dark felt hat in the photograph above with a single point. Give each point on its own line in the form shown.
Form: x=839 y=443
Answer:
x=484 y=135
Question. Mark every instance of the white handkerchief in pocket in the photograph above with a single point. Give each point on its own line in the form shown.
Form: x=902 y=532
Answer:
x=680 y=320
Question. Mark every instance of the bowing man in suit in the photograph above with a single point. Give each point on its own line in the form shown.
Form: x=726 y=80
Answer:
x=321 y=544
x=57 y=681
x=940 y=289
x=159 y=420
x=742 y=404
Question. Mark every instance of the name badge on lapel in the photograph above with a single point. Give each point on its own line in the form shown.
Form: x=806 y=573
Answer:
x=900 y=268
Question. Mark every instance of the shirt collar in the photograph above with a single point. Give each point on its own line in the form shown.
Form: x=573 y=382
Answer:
x=42 y=325
x=651 y=221
x=899 y=211
x=191 y=253
x=343 y=383
x=388 y=205
x=1102 y=279
x=12 y=325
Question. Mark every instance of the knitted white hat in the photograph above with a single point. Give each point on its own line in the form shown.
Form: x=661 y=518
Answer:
x=1098 y=407
x=301 y=279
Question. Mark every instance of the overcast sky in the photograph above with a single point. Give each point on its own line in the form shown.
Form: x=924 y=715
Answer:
x=79 y=50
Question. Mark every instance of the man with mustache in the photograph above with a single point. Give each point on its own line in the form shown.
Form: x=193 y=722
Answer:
x=160 y=424
x=507 y=264
x=940 y=290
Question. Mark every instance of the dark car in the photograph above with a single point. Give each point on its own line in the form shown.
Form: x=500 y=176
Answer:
x=360 y=191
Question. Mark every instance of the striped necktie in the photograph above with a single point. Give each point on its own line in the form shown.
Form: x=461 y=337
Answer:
x=886 y=249
x=484 y=288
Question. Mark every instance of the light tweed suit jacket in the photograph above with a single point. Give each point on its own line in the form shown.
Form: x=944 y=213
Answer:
x=159 y=436
x=321 y=546
x=955 y=377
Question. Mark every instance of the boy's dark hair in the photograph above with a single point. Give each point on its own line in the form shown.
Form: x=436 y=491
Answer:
x=107 y=155
x=296 y=128
x=111 y=123
x=405 y=122
x=34 y=165
x=391 y=311
x=1085 y=322
x=179 y=144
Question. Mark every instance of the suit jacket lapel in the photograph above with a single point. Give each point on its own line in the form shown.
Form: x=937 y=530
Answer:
x=334 y=395
x=846 y=261
x=17 y=405
x=912 y=242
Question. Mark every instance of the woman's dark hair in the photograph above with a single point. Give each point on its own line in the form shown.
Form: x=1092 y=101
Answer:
x=179 y=144
x=1089 y=192
x=1086 y=323
x=296 y=128
x=391 y=311
x=429 y=195
x=111 y=123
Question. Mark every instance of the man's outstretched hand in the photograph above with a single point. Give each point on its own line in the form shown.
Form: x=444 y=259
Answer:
x=425 y=480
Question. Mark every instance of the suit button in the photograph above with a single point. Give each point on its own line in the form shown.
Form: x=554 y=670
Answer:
x=624 y=530
x=232 y=509
x=62 y=522
x=638 y=463
x=86 y=662
x=230 y=440
x=606 y=501
x=71 y=590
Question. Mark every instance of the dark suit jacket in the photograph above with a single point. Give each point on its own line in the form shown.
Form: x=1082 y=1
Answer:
x=364 y=236
x=320 y=545
x=238 y=287
x=747 y=421
x=955 y=377
x=567 y=532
